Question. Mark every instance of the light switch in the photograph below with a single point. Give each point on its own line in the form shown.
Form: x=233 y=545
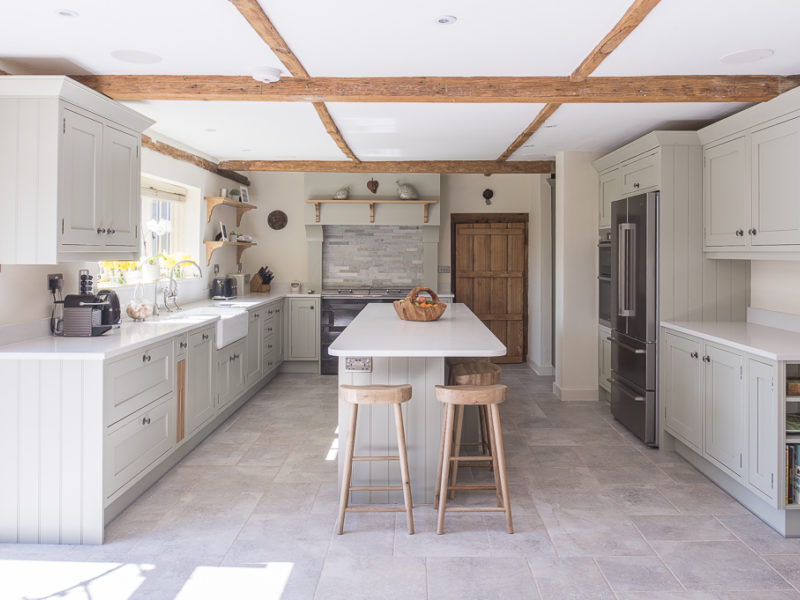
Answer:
x=358 y=364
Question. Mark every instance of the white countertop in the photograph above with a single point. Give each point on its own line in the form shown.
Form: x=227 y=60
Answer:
x=769 y=342
x=378 y=331
x=130 y=335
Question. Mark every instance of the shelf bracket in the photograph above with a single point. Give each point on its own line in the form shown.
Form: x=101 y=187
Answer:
x=316 y=211
x=425 y=213
x=371 y=212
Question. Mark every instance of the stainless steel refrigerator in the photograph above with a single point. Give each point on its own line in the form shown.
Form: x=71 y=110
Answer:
x=634 y=314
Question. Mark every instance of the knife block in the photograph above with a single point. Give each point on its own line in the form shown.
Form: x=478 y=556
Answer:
x=257 y=286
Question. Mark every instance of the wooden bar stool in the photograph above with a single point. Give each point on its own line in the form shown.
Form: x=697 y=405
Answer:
x=473 y=395
x=481 y=372
x=375 y=394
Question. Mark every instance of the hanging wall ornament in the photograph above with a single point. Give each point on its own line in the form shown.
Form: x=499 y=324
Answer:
x=372 y=185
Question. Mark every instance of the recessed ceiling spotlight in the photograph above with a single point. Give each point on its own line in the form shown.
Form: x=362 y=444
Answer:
x=209 y=129
x=446 y=20
x=137 y=57
x=267 y=74
x=747 y=56
x=548 y=126
x=247 y=149
x=67 y=12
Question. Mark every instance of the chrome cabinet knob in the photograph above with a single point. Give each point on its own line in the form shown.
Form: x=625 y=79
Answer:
x=101 y=230
x=693 y=355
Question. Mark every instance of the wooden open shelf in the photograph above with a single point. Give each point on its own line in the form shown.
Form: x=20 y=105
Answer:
x=214 y=201
x=425 y=204
x=240 y=247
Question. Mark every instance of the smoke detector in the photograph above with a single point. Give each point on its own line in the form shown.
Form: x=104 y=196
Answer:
x=267 y=74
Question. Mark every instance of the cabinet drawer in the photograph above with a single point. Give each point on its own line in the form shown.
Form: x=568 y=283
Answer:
x=137 y=380
x=136 y=444
x=640 y=175
x=271 y=352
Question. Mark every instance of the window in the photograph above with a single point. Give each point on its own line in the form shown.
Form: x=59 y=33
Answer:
x=163 y=206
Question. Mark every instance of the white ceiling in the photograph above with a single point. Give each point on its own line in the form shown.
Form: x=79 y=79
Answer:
x=369 y=38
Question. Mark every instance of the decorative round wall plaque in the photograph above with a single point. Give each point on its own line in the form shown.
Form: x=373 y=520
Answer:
x=277 y=219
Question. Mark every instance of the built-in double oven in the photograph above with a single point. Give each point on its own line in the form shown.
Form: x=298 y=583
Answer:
x=604 y=277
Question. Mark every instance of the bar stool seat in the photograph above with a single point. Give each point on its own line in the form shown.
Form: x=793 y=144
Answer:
x=373 y=395
x=459 y=396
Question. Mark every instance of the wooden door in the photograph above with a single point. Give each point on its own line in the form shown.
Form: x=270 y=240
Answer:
x=491 y=278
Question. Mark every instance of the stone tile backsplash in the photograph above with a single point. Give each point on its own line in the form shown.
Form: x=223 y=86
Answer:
x=371 y=255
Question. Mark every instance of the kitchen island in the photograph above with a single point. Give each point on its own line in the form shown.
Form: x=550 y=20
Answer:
x=403 y=352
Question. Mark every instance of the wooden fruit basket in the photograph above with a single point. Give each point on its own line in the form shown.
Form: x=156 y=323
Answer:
x=408 y=311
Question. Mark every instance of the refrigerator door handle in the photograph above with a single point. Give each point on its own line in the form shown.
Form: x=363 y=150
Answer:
x=627 y=271
x=631 y=348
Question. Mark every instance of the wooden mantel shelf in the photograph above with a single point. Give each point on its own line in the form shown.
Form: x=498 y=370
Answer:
x=425 y=204
x=214 y=201
x=240 y=247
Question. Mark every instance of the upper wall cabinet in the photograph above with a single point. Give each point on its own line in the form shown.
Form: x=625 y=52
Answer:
x=751 y=182
x=70 y=164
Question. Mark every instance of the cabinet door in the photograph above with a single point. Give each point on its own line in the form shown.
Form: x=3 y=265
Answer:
x=726 y=194
x=230 y=373
x=725 y=435
x=254 y=353
x=609 y=191
x=80 y=159
x=121 y=188
x=763 y=434
x=303 y=329
x=682 y=393
x=775 y=156
x=603 y=358
x=640 y=175
x=199 y=403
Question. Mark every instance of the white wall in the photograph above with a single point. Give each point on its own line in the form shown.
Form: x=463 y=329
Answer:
x=576 y=276
x=775 y=285
x=540 y=280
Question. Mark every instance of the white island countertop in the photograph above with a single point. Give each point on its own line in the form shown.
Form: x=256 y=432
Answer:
x=769 y=342
x=378 y=331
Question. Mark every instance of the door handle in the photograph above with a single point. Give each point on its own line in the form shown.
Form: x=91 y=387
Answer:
x=636 y=398
x=627 y=347
x=707 y=358
x=626 y=263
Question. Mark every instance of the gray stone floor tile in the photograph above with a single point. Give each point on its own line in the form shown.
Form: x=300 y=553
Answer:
x=638 y=500
x=465 y=534
x=682 y=528
x=480 y=579
x=667 y=596
x=788 y=565
x=637 y=574
x=760 y=536
x=702 y=499
x=719 y=566
x=569 y=579
x=388 y=578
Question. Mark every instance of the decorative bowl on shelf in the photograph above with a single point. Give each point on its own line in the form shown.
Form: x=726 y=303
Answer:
x=416 y=307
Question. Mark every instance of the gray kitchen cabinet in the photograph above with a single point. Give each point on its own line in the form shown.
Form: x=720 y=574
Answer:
x=762 y=407
x=640 y=175
x=725 y=435
x=726 y=194
x=230 y=371
x=609 y=191
x=775 y=156
x=82 y=150
x=682 y=389
x=200 y=404
x=604 y=357
x=254 y=355
x=303 y=329
x=273 y=337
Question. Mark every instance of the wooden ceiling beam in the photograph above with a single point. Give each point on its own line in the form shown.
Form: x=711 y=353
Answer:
x=333 y=130
x=670 y=88
x=523 y=137
x=199 y=161
x=629 y=21
x=253 y=13
x=485 y=167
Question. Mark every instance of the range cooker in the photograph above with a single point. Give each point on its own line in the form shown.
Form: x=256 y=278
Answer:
x=339 y=307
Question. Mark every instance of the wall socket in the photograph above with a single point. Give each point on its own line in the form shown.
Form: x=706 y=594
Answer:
x=216 y=269
x=55 y=281
x=444 y=268
x=357 y=364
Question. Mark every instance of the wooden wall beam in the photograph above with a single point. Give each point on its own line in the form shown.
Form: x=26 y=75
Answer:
x=253 y=13
x=629 y=21
x=199 y=161
x=671 y=88
x=485 y=167
x=523 y=137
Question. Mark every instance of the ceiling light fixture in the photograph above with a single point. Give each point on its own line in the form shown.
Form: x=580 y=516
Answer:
x=137 y=57
x=67 y=12
x=267 y=74
x=446 y=20
x=747 y=56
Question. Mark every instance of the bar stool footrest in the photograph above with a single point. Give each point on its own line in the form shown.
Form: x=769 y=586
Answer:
x=376 y=508
x=376 y=488
x=474 y=509
x=373 y=458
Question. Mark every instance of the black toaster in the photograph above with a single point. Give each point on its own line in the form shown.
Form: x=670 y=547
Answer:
x=223 y=288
